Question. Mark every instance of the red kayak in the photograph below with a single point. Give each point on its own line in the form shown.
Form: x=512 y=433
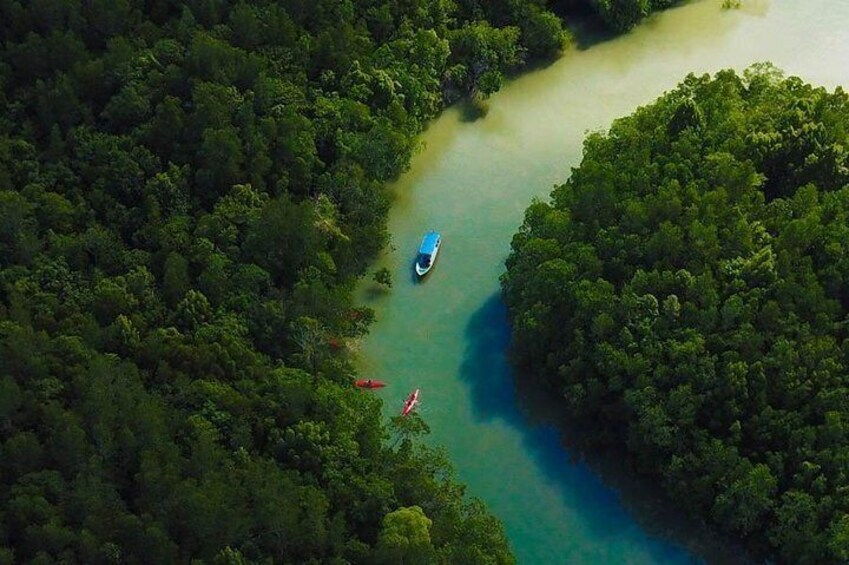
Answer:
x=410 y=403
x=369 y=383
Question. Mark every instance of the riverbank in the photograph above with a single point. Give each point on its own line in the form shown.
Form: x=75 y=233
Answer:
x=473 y=181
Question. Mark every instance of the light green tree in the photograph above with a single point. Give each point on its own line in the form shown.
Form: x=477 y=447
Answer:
x=404 y=537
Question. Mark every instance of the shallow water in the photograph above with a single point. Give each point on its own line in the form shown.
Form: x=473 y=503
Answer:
x=448 y=335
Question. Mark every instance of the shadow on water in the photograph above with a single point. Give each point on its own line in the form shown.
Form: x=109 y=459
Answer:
x=595 y=482
x=374 y=292
x=411 y=268
x=472 y=110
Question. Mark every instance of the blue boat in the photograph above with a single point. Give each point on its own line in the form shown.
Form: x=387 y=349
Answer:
x=427 y=252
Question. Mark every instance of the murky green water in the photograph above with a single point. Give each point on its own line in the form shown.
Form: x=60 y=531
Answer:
x=448 y=335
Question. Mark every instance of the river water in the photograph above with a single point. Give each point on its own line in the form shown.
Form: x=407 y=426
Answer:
x=448 y=335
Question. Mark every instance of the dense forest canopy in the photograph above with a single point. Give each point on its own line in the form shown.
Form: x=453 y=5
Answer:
x=188 y=193
x=686 y=292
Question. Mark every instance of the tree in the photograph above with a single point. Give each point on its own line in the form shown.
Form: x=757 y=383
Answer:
x=480 y=54
x=542 y=32
x=283 y=240
x=383 y=277
x=175 y=278
x=405 y=537
x=743 y=505
x=622 y=15
x=220 y=162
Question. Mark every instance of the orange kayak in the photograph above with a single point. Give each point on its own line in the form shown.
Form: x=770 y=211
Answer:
x=369 y=383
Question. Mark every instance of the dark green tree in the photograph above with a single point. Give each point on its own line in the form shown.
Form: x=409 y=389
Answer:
x=681 y=293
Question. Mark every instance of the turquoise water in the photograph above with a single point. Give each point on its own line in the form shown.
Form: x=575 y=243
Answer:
x=448 y=335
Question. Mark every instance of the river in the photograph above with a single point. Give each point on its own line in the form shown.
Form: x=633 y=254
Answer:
x=448 y=335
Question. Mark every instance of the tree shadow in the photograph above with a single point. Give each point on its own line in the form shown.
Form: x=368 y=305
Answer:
x=596 y=481
x=472 y=110
x=375 y=291
x=586 y=27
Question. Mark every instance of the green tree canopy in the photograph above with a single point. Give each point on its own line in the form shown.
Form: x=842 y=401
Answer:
x=404 y=537
x=685 y=293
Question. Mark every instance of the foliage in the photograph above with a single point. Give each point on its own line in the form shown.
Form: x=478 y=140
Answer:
x=383 y=277
x=622 y=15
x=685 y=292
x=188 y=193
x=485 y=51
x=405 y=537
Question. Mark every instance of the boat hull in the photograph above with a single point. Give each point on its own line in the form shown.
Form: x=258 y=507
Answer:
x=427 y=253
x=410 y=403
x=422 y=271
x=365 y=383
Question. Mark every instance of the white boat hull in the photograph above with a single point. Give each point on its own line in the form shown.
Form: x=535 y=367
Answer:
x=422 y=271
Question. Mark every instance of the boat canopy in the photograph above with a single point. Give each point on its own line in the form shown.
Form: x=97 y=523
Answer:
x=429 y=243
